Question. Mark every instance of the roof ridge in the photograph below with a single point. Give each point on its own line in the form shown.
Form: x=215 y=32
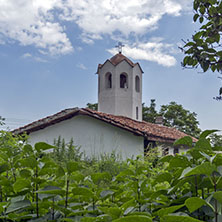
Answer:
x=149 y=130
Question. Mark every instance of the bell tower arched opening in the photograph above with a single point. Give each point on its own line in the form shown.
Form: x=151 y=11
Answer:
x=123 y=80
x=108 y=80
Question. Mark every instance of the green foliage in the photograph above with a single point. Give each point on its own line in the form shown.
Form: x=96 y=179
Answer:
x=36 y=187
x=93 y=106
x=149 y=112
x=63 y=151
x=2 y=121
x=204 y=49
x=174 y=115
x=216 y=139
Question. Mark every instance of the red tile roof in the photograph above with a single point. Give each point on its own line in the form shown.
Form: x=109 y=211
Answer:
x=118 y=58
x=150 y=131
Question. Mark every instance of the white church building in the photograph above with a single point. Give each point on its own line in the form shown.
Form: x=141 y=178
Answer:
x=117 y=125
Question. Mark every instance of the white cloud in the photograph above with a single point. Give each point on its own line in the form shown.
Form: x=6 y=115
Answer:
x=36 y=58
x=154 y=51
x=39 y=59
x=81 y=66
x=30 y=22
x=27 y=55
x=39 y=22
x=99 y=17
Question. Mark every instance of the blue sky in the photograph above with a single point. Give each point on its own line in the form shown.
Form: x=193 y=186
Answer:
x=50 y=49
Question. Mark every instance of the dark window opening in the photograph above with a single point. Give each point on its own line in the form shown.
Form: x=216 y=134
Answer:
x=137 y=84
x=148 y=145
x=175 y=151
x=137 y=112
x=108 y=80
x=99 y=84
x=123 y=81
x=165 y=151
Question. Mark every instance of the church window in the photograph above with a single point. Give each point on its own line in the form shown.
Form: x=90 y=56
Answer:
x=165 y=151
x=175 y=151
x=99 y=84
x=148 y=145
x=123 y=81
x=137 y=112
x=108 y=80
x=137 y=84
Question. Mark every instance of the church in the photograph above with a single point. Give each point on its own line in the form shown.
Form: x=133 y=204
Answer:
x=117 y=126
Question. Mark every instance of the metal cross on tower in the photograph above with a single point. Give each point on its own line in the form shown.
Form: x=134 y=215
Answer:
x=120 y=46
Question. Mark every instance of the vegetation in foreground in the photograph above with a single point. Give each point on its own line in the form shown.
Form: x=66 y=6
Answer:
x=37 y=186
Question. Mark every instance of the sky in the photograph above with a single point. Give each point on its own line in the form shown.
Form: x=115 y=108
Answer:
x=50 y=50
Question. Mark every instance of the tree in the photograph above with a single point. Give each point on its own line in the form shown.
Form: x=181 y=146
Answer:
x=205 y=49
x=2 y=121
x=174 y=115
x=150 y=113
x=92 y=106
x=216 y=139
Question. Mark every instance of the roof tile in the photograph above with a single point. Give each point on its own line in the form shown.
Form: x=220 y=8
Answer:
x=148 y=130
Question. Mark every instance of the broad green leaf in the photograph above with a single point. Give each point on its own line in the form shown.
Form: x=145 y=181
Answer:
x=217 y=37
x=77 y=177
x=130 y=203
x=106 y=193
x=42 y=146
x=103 y=218
x=173 y=218
x=203 y=144
x=21 y=184
x=218 y=159
x=136 y=218
x=140 y=213
x=206 y=169
x=218 y=196
x=29 y=162
x=72 y=166
x=4 y=167
x=195 y=153
x=206 y=133
x=25 y=173
x=114 y=212
x=187 y=141
x=14 y=206
x=52 y=190
x=88 y=219
x=163 y=177
x=128 y=210
x=195 y=17
x=194 y=203
x=179 y=161
x=201 y=19
x=97 y=177
x=124 y=174
x=60 y=172
x=3 y=206
x=82 y=191
x=209 y=158
x=166 y=159
x=27 y=148
x=168 y=210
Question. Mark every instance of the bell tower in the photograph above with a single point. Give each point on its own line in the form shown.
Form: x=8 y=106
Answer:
x=120 y=87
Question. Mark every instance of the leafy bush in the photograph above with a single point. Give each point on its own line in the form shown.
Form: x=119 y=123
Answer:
x=35 y=186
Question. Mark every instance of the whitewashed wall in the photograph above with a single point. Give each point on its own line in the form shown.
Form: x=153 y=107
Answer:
x=116 y=100
x=94 y=137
